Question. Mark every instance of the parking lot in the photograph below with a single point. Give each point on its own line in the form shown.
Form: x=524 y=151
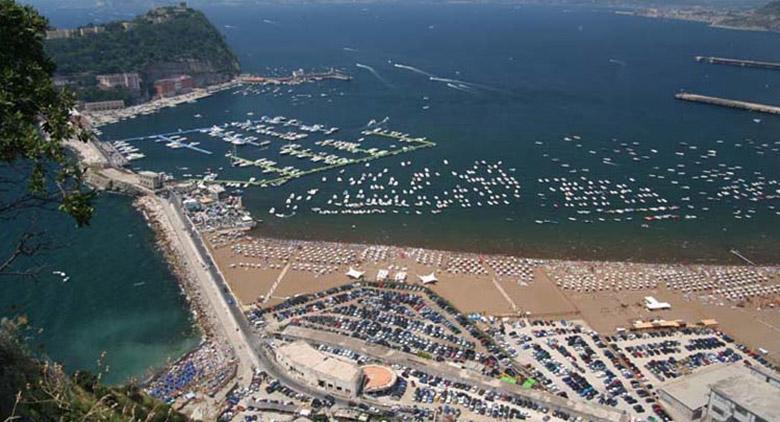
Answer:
x=622 y=370
x=408 y=318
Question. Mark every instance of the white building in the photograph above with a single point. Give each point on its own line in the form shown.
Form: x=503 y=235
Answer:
x=150 y=179
x=722 y=393
x=320 y=370
x=744 y=398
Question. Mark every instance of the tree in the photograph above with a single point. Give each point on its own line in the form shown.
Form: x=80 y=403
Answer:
x=35 y=120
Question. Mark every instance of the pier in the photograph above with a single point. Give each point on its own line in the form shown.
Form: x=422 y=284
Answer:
x=742 y=257
x=183 y=145
x=725 y=102
x=738 y=62
x=297 y=77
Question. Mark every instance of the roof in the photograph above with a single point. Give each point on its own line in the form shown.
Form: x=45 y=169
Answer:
x=693 y=390
x=749 y=392
x=378 y=378
x=300 y=353
x=653 y=303
x=427 y=279
x=353 y=273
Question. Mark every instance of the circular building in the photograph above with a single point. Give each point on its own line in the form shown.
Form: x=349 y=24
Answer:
x=377 y=378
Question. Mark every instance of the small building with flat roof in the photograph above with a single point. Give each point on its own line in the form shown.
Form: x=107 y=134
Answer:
x=723 y=392
x=378 y=378
x=150 y=179
x=688 y=395
x=744 y=398
x=320 y=370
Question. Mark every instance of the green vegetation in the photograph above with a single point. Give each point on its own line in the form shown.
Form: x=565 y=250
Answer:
x=424 y=355
x=772 y=8
x=164 y=42
x=764 y=18
x=35 y=119
x=38 y=390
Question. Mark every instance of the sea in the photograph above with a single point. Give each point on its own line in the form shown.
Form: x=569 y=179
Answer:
x=575 y=105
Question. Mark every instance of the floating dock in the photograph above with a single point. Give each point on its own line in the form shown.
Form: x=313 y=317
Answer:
x=725 y=102
x=738 y=62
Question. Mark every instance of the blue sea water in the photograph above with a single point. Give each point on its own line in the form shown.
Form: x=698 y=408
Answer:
x=538 y=74
x=120 y=299
x=533 y=74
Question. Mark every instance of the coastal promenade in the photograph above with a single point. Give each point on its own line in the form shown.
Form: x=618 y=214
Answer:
x=223 y=310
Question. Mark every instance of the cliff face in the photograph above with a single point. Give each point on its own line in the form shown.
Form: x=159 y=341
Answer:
x=204 y=72
x=164 y=42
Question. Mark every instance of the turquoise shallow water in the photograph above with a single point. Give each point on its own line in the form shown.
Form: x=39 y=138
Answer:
x=551 y=73
x=534 y=74
x=121 y=298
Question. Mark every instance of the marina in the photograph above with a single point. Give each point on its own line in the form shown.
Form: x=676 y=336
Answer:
x=291 y=132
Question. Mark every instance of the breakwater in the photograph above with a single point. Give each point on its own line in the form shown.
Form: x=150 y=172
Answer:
x=738 y=62
x=725 y=102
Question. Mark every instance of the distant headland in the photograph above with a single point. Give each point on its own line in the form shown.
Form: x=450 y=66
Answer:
x=160 y=53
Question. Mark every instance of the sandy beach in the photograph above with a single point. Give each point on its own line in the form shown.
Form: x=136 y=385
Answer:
x=607 y=295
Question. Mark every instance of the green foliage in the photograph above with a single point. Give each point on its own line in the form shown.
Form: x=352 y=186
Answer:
x=772 y=8
x=35 y=117
x=424 y=355
x=37 y=390
x=181 y=36
x=94 y=93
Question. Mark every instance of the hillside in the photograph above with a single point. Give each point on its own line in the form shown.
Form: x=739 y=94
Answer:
x=772 y=9
x=164 y=42
x=36 y=390
x=763 y=18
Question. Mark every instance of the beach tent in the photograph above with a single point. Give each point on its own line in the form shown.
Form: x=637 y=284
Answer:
x=354 y=274
x=653 y=304
x=428 y=279
x=382 y=275
x=400 y=276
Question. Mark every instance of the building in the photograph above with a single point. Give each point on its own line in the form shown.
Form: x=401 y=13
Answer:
x=767 y=375
x=150 y=179
x=688 y=395
x=104 y=105
x=319 y=370
x=68 y=33
x=378 y=378
x=727 y=388
x=744 y=398
x=181 y=84
x=131 y=81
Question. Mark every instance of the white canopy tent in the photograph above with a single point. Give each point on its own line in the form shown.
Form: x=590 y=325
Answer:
x=428 y=279
x=355 y=274
x=653 y=304
x=381 y=275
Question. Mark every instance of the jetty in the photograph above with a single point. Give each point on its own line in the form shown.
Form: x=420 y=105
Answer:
x=738 y=62
x=742 y=257
x=725 y=102
x=297 y=77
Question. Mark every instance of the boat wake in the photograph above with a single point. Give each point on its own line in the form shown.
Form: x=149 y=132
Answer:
x=617 y=62
x=414 y=69
x=373 y=72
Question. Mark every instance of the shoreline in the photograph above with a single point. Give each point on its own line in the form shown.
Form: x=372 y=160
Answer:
x=550 y=257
